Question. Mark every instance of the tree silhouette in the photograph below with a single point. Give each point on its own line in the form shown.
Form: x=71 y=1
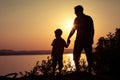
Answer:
x=107 y=54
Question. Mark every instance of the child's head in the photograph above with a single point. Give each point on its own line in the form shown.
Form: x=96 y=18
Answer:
x=58 y=33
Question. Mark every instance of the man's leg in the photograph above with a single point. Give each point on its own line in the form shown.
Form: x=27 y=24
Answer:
x=88 y=51
x=76 y=63
x=76 y=54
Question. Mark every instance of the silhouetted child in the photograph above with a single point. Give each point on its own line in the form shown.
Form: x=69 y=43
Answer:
x=57 y=50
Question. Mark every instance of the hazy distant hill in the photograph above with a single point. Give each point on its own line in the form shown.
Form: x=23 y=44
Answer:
x=33 y=52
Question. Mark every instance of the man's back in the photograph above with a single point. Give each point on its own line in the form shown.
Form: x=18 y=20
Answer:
x=84 y=26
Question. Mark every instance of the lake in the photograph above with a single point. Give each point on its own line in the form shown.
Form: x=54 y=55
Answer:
x=21 y=63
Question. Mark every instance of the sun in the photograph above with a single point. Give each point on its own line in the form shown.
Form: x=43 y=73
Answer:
x=69 y=25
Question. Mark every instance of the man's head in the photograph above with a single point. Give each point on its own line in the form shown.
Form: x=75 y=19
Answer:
x=78 y=10
x=58 y=33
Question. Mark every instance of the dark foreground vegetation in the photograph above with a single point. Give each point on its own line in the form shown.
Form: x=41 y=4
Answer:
x=106 y=65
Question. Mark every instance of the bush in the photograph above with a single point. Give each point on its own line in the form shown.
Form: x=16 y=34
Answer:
x=45 y=68
x=107 y=53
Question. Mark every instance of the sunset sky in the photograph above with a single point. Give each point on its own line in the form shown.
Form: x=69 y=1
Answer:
x=30 y=24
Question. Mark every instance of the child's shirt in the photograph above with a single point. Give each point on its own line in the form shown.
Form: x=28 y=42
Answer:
x=58 y=47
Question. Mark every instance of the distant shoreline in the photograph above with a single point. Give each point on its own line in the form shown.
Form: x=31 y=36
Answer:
x=29 y=54
x=34 y=52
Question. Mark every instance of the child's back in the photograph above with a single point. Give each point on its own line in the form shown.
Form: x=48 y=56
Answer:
x=58 y=47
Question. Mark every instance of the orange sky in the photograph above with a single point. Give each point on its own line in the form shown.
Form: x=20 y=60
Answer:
x=30 y=24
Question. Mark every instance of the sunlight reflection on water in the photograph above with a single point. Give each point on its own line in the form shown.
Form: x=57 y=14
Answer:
x=67 y=57
x=21 y=63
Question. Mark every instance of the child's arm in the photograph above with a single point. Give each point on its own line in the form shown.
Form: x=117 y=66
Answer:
x=52 y=44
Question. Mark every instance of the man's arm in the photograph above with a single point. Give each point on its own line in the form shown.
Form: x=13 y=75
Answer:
x=91 y=29
x=67 y=44
x=70 y=35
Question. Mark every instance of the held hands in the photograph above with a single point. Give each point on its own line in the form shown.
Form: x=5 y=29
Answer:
x=68 y=41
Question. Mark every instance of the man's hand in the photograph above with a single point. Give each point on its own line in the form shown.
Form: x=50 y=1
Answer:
x=68 y=41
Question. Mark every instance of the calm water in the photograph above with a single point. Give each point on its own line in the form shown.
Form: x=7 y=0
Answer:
x=21 y=63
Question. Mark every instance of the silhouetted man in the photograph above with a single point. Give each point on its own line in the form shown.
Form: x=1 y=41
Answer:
x=84 y=38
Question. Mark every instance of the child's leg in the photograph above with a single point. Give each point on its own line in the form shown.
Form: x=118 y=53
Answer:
x=60 y=65
x=54 y=64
